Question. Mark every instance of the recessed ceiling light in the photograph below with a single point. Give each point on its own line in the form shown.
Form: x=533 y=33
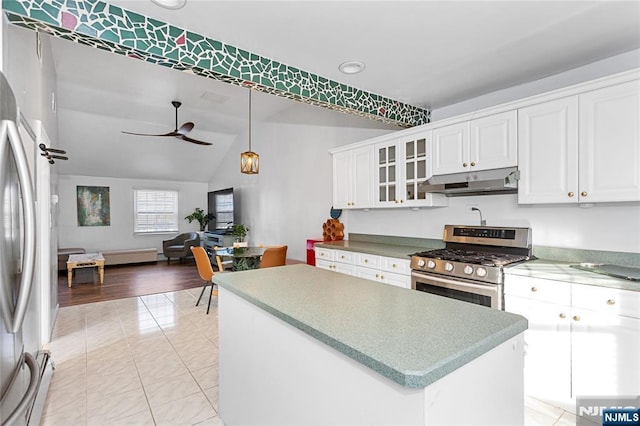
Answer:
x=170 y=4
x=351 y=67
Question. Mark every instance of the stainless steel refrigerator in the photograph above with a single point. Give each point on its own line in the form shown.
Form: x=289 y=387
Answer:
x=21 y=372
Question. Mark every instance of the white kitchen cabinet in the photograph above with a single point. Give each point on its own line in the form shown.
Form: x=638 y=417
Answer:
x=335 y=260
x=401 y=167
x=547 y=361
x=353 y=178
x=387 y=270
x=605 y=332
x=480 y=144
x=582 y=148
x=582 y=340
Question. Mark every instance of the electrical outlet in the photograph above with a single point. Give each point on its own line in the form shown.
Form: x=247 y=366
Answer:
x=468 y=208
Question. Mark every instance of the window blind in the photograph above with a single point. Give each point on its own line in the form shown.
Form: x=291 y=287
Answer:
x=155 y=211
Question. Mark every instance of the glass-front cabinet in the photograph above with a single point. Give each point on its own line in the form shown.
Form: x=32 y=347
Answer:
x=401 y=167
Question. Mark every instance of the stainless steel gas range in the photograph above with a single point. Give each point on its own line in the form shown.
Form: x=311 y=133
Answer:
x=470 y=267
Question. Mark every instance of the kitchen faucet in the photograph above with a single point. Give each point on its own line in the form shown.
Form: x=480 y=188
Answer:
x=482 y=221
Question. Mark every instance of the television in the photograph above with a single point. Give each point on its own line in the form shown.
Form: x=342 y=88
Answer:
x=224 y=205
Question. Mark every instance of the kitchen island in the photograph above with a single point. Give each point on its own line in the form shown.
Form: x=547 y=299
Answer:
x=302 y=345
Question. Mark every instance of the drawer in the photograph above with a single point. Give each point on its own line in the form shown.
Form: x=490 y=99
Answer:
x=368 y=260
x=344 y=256
x=324 y=264
x=398 y=266
x=326 y=254
x=538 y=289
x=603 y=299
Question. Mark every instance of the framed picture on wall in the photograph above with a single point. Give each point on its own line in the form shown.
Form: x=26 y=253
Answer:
x=93 y=206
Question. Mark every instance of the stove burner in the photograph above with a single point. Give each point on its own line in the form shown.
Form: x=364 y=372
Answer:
x=472 y=257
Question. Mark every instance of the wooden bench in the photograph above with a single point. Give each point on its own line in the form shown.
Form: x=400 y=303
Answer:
x=123 y=257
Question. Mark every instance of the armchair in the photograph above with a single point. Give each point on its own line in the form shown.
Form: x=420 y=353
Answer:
x=180 y=245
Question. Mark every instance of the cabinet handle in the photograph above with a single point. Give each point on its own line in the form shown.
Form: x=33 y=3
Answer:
x=473 y=164
x=321 y=254
x=394 y=266
x=576 y=317
x=562 y=315
x=534 y=289
x=611 y=302
x=366 y=261
x=583 y=194
x=396 y=201
x=401 y=201
x=570 y=194
x=382 y=277
x=464 y=164
x=377 y=275
x=341 y=257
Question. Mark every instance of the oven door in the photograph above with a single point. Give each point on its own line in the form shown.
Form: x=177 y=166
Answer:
x=489 y=295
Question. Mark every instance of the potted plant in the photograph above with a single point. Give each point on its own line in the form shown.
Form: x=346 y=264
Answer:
x=200 y=216
x=240 y=231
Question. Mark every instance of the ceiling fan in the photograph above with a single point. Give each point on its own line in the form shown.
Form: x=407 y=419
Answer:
x=178 y=132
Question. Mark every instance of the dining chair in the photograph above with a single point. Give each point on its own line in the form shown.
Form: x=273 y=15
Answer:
x=206 y=273
x=274 y=256
x=222 y=265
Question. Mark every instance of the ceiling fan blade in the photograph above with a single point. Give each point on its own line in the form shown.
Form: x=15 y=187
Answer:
x=147 y=134
x=188 y=139
x=185 y=128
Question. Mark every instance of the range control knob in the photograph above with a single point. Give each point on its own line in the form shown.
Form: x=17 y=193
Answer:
x=448 y=267
x=481 y=272
x=421 y=262
x=468 y=270
x=431 y=264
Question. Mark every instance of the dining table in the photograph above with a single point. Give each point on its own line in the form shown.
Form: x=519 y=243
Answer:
x=244 y=258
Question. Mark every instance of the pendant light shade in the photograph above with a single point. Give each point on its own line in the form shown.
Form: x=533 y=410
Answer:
x=249 y=160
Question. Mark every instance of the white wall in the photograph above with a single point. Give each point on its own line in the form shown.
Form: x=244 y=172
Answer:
x=120 y=234
x=287 y=202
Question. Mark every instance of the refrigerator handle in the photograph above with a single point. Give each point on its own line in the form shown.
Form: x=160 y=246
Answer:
x=27 y=399
x=28 y=207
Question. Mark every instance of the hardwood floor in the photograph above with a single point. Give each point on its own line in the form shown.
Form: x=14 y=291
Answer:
x=127 y=281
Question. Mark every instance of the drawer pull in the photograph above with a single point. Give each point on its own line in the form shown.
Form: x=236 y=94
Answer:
x=570 y=194
x=576 y=317
x=382 y=277
x=611 y=302
x=473 y=164
x=394 y=266
x=562 y=315
x=377 y=275
x=583 y=194
x=341 y=257
x=464 y=164
x=534 y=289
x=366 y=261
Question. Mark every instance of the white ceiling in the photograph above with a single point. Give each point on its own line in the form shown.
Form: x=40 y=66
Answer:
x=426 y=53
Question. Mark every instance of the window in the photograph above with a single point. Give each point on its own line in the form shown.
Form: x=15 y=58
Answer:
x=155 y=211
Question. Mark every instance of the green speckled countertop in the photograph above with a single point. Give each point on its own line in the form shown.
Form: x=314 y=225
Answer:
x=411 y=337
x=388 y=250
x=562 y=271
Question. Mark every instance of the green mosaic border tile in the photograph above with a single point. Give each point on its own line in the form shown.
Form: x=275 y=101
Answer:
x=108 y=27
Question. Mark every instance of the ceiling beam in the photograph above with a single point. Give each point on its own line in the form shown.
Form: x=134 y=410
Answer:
x=108 y=27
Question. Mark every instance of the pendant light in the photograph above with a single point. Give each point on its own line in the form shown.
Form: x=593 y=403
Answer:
x=249 y=160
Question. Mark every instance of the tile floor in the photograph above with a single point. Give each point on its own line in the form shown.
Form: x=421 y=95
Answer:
x=153 y=360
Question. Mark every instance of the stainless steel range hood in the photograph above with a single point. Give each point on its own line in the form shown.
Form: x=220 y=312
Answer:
x=483 y=182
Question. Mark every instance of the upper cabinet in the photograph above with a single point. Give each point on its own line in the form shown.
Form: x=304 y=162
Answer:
x=352 y=178
x=480 y=144
x=582 y=148
x=402 y=166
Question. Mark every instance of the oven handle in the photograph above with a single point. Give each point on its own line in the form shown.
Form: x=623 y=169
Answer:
x=486 y=289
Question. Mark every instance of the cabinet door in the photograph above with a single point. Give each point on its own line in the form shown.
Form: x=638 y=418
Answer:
x=342 y=180
x=548 y=152
x=606 y=350
x=609 y=147
x=417 y=169
x=387 y=171
x=362 y=184
x=547 y=371
x=493 y=142
x=450 y=149
x=398 y=280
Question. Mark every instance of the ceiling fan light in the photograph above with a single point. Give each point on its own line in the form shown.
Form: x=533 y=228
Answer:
x=249 y=163
x=170 y=4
